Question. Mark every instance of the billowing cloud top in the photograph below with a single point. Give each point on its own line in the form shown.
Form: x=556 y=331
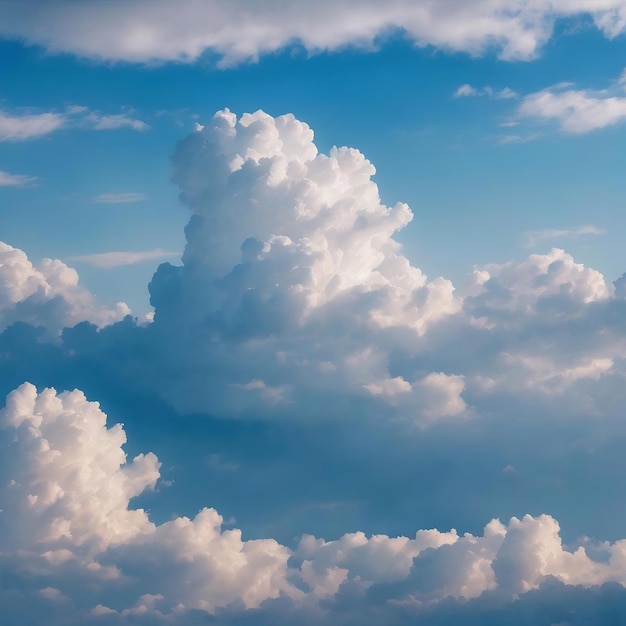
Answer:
x=46 y=294
x=293 y=288
x=286 y=250
x=292 y=282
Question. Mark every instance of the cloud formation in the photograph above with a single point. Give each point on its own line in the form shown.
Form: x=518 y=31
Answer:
x=66 y=511
x=118 y=259
x=29 y=126
x=26 y=126
x=294 y=305
x=532 y=238
x=466 y=90
x=287 y=245
x=98 y=121
x=71 y=537
x=243 y=30
x=15 y=180
x=293 y=289
x=576 y=111
x=292 y=282
x=119 y=198
x=47 y=294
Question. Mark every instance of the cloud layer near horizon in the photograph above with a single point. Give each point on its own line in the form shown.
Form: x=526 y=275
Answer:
x=71 y=539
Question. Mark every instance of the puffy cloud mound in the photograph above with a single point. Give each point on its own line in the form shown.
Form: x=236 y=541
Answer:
x=71 y=540
x=66 y=496
x=242 y=30
x=542 y=324
x=274 y=216
x=46 y=294
x=291 y=276
x=71 y=484
x=293 y=289
x=524 y=285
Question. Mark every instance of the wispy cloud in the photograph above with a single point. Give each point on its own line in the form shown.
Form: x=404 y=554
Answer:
x=119 y=198
x=108 y=260
x=468 y=91
x=29 y=126
x=519 y=138
x=505 y=94
x=465 y=91
x=577 y=111
x=532 y=238
x=218 y=463
x=15 y=180
x=24 y=126
x=113 y=122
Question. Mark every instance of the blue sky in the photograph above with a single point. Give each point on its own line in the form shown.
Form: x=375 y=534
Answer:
x=330 y=358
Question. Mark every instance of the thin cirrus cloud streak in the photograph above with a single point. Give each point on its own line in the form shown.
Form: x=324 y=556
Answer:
x=15 y=127
x=534 y=237
x=108 y=260
x=243 y=30
x=16 y=180
x=119 y=198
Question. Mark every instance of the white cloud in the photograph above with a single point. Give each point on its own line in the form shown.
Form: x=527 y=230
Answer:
x=26 y=126
x=294 y=301
x=287 y=244
x=15 y=180
x=47 y=294
x=576 y=111
x=67 y=503
x=443 y=395
x=119 y=198
x=242 y=30
x=29 y=126
x=505 y=94
x=520 y=286
x=293 y=282
x=532 y=238
x=117 y=259
x=519 y=138
x=69 y=530
x=97 y=121
x=466 y=90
